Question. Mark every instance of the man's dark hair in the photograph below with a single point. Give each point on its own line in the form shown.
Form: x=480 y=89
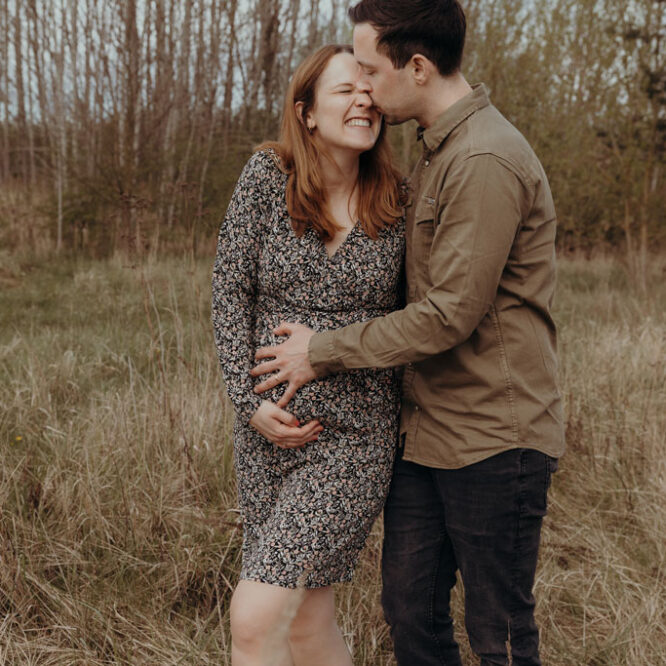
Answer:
x=433 y=28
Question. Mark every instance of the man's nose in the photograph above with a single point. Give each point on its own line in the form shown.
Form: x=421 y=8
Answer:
x=364 y=85
x=363 y=99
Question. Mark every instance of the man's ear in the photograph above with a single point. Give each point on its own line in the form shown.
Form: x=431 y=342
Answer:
x=421 y=68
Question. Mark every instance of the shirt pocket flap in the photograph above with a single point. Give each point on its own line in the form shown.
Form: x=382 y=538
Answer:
x=424 y=210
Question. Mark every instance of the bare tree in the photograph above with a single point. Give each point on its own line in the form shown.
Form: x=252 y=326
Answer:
x=229 y=78
x=5 y=87
x=269 y=44
x=20 y=88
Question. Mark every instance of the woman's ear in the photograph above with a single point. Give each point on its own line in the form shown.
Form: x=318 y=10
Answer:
x=307 y=121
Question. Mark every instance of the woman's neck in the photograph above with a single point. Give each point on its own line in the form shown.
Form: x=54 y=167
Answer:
x=340 y=172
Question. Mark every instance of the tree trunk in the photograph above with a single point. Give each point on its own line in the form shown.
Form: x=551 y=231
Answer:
x=61 y=140
x=294 y=6
x=229 y=80
x=87 y=111
x=73 y=35
x=32 y=178
x=313 y=26
x=4 y=90
x=270 y=36
x=20 y=90
x=130 y=135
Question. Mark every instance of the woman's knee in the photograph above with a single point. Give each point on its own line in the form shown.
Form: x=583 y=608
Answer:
x=315 y=617
x=259 y=615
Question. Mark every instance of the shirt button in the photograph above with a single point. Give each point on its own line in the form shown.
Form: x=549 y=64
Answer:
x=427 y=162
x=417 y=408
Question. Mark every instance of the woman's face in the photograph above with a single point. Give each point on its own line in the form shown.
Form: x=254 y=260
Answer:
x=343 y=116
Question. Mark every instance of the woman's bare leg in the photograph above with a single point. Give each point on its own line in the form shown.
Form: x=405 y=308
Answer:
x=261 y=615
x=315 y=637
x=276 y=626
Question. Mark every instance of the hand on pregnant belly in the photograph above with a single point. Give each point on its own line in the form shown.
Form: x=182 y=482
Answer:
x=290 y=359
x=282 y=428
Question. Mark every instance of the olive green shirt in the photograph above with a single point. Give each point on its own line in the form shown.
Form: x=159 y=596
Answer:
x=476 y=336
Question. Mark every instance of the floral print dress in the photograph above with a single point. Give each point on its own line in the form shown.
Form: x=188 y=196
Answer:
x=307 y=511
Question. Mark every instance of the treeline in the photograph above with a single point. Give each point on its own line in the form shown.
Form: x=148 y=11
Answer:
x=585 y=80
x=125 y=123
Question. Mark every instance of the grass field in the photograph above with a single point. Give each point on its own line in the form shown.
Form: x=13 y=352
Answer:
x=119 y=540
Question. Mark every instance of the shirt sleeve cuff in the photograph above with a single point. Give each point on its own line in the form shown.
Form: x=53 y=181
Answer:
x=322 y=355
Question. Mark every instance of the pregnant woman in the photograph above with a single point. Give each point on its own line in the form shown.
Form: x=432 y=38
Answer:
x=313 y=234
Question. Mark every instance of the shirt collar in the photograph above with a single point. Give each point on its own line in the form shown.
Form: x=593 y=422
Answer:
x=434 y=135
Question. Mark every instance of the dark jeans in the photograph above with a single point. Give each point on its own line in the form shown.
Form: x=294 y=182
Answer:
x=484 y=520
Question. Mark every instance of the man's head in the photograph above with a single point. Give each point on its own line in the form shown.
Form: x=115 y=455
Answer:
x=402 y=44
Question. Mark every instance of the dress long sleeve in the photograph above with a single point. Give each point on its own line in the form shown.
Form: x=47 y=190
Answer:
x=234 y=284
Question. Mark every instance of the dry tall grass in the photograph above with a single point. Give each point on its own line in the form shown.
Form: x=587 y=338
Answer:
x=119 y=540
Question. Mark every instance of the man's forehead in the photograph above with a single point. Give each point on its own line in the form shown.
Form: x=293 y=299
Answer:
x=365 y=44
x=366 y=33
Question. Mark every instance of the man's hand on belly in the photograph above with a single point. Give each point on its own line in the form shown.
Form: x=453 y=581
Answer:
x=290 y=359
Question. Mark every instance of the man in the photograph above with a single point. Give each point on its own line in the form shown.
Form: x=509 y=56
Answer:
x=481 y=420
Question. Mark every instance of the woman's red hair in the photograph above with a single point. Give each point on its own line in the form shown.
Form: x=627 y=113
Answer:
x=379 y=197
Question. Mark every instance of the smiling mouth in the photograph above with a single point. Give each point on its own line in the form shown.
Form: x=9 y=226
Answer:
x=358 y=122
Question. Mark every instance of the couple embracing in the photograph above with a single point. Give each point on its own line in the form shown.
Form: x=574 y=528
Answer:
x=419 y=372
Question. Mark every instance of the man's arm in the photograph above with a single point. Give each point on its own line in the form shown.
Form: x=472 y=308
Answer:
x=484 y=203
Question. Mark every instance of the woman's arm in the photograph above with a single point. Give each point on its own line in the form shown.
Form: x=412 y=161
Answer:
x=234 y=301
x=235 y=282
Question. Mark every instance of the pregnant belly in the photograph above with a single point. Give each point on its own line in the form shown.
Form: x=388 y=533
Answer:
x=359 y=400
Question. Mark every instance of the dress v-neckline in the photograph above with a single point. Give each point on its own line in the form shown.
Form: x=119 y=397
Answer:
x=331 y=257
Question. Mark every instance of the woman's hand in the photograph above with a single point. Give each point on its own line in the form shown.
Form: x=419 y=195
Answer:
x=282 y=428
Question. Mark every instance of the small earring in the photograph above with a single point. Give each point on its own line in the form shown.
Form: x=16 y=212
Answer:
x=311 y=129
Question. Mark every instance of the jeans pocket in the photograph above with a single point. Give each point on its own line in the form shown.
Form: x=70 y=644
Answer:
x=535 y=474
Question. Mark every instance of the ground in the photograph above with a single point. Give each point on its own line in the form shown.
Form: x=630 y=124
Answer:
x=119 y=536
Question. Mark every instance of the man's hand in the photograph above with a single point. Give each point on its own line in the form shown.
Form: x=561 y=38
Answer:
x=282 y=428
x=290 y=359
